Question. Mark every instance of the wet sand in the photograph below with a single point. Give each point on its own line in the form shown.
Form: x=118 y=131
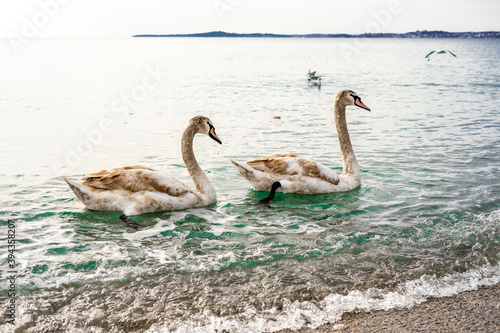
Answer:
x=471 y=311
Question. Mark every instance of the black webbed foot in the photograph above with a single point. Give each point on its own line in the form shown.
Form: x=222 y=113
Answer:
x=129 y=223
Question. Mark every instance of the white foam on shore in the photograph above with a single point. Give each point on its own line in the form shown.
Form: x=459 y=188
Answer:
x=305 y=314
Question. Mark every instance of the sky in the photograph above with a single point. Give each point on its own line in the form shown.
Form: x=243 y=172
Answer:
x=124 y=18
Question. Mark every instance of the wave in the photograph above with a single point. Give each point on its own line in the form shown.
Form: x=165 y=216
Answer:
x=296 y=315
x=115 y=273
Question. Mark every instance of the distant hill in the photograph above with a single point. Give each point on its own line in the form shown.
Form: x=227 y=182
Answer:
x=415 y=34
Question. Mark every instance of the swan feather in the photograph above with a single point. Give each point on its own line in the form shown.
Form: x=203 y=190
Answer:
x=296 y=175
x=135 y=179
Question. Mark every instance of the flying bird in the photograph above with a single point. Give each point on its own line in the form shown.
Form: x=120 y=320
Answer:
x=439 y=52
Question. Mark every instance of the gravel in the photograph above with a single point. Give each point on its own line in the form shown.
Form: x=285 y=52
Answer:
x=471 y=311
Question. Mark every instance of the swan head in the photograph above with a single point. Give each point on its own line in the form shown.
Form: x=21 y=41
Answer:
x=349 y=97
x=203 y=125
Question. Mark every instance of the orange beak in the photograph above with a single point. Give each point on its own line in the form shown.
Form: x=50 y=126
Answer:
x=214 y=136
x=361 y=104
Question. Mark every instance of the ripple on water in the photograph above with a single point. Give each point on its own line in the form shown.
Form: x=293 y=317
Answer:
x=424 y=222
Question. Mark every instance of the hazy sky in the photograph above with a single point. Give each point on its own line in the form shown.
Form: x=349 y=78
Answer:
x=93 y=18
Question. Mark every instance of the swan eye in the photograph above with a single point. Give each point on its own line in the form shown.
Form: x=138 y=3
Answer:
x=355 y=97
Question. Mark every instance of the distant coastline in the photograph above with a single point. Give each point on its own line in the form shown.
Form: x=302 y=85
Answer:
x=414 y=34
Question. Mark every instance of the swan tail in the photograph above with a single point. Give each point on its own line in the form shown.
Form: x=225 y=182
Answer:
x=244 y=169
x=81 y=192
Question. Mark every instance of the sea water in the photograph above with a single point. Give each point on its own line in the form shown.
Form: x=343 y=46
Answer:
x=425 y=221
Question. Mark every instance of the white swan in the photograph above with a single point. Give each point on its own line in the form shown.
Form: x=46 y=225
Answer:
x=300 y=175
x=136 y=190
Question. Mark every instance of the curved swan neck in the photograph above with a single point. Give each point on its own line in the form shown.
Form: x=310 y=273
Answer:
x=200 y=180
x=349 y=162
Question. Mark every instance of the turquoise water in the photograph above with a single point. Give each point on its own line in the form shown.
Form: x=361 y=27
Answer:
x=425 y=221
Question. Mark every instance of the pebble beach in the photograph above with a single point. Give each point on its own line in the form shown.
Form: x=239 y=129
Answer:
x=471 y=311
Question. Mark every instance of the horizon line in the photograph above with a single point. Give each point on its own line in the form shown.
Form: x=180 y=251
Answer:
x=220 y=33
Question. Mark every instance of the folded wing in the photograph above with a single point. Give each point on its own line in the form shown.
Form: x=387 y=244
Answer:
x=293 y=165
x=135 y=179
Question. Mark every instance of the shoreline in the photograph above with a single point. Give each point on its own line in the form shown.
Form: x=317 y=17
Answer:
x=414 y=34
x=470 y=311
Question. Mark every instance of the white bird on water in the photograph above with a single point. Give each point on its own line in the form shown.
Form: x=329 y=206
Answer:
x=136 y=190
x=301 y=175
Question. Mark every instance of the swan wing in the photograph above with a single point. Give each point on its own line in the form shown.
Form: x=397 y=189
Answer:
x=286 y=165
x=135 y=179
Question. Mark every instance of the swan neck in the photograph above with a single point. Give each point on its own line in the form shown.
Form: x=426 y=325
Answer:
x=199 y=178
x=349 y=162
